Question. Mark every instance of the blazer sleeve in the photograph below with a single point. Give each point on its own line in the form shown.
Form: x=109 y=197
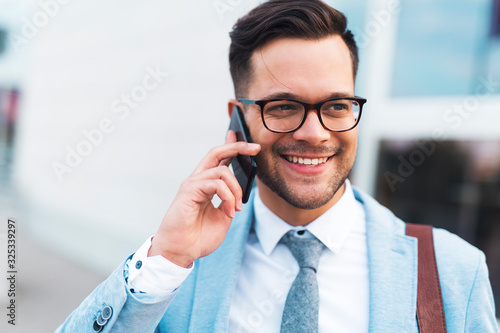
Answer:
x=127 y=311
x=480 y=314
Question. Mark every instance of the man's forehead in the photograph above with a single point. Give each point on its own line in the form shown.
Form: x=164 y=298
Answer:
x=290 y=64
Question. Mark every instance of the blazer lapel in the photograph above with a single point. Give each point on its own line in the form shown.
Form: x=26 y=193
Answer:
x=392 y=258
x=217 y=276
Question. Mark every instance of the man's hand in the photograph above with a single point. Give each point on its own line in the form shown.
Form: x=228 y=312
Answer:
x=193 y=227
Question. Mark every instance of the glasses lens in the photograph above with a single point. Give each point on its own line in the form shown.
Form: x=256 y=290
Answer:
x=340 y=114
x=283 y=115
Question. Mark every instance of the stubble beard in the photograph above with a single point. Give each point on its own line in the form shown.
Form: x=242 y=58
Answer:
x=318 y=196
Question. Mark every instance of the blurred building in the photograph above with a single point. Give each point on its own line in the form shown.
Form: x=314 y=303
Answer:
x=430 y=139
x=106 y=106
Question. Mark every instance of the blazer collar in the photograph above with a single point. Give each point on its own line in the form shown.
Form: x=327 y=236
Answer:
x=217 y=276
x=392 y=261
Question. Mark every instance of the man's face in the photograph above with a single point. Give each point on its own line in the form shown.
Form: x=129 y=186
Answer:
x=311 y=71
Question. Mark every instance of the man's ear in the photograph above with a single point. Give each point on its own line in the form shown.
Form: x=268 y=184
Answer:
x=230 y=106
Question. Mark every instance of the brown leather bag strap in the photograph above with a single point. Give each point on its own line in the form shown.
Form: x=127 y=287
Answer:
x=430 y=309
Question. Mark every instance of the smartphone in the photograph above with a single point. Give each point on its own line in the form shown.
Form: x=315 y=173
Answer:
x=244 y=167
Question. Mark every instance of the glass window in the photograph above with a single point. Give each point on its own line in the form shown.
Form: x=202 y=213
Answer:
x=445 y=47
x=453 y=185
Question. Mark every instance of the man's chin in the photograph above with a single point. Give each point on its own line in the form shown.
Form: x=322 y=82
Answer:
x=307 y=203
x=305 y=196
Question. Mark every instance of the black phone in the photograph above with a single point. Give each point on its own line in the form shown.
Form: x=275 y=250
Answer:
x=244 y=167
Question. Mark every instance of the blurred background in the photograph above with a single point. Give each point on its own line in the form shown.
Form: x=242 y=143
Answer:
x=106 y=106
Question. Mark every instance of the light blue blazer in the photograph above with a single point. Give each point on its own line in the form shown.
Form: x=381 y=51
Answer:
x=202 y=302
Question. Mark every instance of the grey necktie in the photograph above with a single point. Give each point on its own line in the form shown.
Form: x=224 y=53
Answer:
x=301 y=306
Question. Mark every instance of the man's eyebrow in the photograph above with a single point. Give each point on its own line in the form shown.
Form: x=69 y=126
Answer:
x=288 y=95
x=340 y=94
x=285 y=95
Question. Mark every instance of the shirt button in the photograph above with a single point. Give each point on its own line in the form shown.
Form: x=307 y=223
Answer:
x=138 y=264
x=300 y=232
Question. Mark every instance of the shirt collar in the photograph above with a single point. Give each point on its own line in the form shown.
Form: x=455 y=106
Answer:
x=332 y=228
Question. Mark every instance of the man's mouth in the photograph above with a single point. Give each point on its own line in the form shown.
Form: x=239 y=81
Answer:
x=306 y=160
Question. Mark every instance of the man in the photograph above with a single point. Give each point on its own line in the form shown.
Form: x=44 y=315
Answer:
x=293 y=65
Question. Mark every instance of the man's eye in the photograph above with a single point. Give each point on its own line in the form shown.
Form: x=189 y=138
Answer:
x=283 y=107
x=338 y=106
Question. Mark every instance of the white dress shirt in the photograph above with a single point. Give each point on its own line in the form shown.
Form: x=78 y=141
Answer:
x=268 y=269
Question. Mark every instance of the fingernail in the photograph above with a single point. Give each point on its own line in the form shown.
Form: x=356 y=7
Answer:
x=233 y=213
x=240 y=204
x=253 y=145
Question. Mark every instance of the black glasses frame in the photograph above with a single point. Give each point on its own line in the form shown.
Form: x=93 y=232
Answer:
x=307 y=107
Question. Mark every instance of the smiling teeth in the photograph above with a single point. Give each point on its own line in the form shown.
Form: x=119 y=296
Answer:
x=306 y=161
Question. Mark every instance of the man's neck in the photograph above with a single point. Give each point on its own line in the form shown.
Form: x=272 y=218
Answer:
x=290 y=214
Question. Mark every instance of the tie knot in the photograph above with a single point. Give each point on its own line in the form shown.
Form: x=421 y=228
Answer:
x=305 y=250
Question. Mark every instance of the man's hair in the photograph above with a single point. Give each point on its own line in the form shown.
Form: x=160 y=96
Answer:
x=276 y=19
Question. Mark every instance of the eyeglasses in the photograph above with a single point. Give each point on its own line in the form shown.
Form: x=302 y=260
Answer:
x=287 y=115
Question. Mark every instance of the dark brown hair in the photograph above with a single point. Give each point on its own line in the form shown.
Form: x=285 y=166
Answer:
x=276 y=19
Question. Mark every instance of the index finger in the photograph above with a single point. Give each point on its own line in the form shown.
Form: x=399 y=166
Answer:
x=225 y=152
x=230 y=138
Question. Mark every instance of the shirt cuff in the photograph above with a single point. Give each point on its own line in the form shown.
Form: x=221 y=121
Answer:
x=154 y=274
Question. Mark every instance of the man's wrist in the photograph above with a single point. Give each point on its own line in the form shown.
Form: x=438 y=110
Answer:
x=154 y=274
x=179 y=260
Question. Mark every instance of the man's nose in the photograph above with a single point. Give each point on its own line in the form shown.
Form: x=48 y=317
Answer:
x=312 y=130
